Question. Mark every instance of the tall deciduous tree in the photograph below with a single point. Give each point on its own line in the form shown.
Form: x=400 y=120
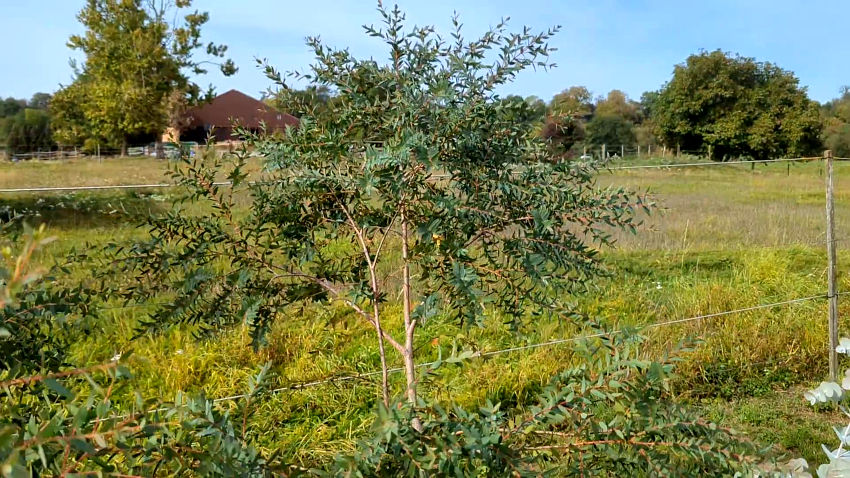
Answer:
x=137 y=52
x=618 y=104
x=27 y=131
x=836 y=115
x=576 y=101
x=610 y=130
x=735 y=106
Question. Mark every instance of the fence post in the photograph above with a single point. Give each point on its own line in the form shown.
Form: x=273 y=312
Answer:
x=622 y=151
x=832 y=296
x=604 y=156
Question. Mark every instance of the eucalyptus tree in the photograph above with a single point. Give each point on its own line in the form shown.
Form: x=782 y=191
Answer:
x=419 y=184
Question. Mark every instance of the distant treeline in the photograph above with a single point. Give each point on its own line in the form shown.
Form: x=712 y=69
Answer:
x=717 y=104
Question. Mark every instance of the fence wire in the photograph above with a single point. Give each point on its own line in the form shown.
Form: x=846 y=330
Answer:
x=480 y=354
x=550 y=343
x=435 y=176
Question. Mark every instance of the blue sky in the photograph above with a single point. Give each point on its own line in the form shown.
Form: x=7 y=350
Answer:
x=603 y=44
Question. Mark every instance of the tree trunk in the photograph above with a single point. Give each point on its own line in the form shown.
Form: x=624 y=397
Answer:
x=409 y=323
x=124 y=148
x=385 y=380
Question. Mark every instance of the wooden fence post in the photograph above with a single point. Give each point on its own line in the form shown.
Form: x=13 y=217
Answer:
x=604 y=156
x=832 y=295
x=622 y=151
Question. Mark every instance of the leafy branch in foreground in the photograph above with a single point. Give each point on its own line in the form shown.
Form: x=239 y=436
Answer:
x=831 y=392
x=60 y=420
x=612 y=415
x=416 y=183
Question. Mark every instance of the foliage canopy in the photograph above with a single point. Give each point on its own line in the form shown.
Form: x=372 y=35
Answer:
x=732 y=106
x=137 y=53
x=420 y=184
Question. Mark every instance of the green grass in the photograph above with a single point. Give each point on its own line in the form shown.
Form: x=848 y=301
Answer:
x=724 y=237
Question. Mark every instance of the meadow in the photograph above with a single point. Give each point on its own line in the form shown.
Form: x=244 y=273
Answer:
x=721 y=238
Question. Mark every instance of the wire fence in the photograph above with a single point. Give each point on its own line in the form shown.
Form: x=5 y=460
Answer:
x=365 y=376
x=29 y=189
x=480 y=354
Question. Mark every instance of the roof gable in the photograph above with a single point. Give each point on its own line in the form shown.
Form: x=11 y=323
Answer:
x=236 y=107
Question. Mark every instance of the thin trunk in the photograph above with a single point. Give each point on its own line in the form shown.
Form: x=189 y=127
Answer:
x=376 y=313
x=409 y=324
x=124 y=148
x=385 y=387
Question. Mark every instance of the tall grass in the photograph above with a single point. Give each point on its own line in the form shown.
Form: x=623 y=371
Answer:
x=726 y=238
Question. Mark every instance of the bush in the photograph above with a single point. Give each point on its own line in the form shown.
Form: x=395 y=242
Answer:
x=612 y=415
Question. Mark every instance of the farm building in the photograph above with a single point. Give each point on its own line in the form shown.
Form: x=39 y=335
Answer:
x=226 y=110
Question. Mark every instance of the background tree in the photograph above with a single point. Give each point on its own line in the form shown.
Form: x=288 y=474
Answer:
x=39 y=101
x=567 y=113
x=610 y=130
x=71 y=126
x=311 y=101
x=531 y=110
x=735 y=106
x=618 y=104
x=27 y=131
x=836 y=117
x=561 y=134
x=137 y=53
x=576 y=101
x=11 y=106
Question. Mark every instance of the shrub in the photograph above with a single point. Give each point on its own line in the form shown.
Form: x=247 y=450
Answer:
x=612 y=415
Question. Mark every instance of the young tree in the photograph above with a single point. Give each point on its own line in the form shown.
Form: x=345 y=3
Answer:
x=609 y=414
x=735 y=106
x=137 y=52
x=419 y=185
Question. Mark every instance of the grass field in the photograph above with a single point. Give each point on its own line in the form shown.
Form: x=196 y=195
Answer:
x=723 y=238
